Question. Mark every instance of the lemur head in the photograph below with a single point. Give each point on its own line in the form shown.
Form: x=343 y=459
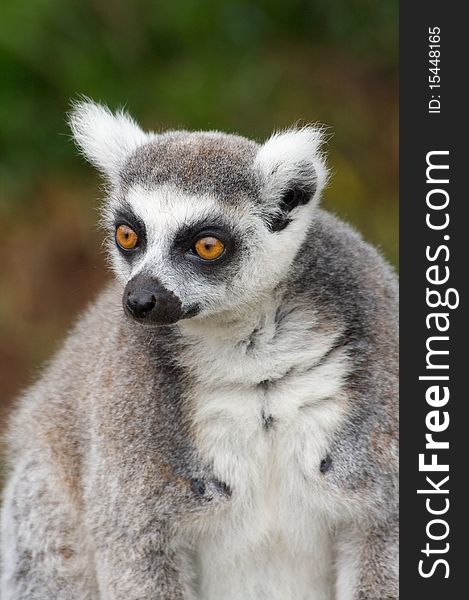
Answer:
x=199 y=223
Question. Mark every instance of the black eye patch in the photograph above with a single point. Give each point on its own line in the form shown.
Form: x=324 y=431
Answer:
x=129 y=218
x=185 y=239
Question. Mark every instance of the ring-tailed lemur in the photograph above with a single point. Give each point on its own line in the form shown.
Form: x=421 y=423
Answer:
x=230 y=433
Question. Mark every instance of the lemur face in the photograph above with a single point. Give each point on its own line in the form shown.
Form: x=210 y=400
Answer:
x=199 y=224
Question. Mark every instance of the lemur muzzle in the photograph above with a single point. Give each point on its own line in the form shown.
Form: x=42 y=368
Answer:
x=148 y=301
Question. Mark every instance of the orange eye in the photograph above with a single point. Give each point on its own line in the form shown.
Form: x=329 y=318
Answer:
x=209 y=248
x=126 y=237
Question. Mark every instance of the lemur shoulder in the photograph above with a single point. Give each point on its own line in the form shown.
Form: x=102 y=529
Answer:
x=222 y=421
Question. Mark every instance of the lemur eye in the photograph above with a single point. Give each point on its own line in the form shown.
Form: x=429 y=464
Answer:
x=209 y=248
x=126 y=237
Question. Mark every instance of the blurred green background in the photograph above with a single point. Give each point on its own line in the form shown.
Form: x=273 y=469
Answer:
x=246 y=67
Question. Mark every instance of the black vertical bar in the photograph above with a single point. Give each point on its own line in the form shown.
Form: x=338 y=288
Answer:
x=421 y=132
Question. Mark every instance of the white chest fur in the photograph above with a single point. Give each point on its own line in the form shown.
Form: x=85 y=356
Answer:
x=264 y=411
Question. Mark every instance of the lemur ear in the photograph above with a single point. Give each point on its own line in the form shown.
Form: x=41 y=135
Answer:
x=293 y=172
x=105 y=139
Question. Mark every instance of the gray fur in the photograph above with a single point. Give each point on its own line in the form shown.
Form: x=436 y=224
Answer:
x=107 y=472
x=197 y=162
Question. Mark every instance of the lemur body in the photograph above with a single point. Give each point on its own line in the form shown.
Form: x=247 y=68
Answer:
x=234 y=434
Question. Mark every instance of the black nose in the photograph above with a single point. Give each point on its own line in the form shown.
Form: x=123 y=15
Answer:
x=140 y=302
x=147 y=300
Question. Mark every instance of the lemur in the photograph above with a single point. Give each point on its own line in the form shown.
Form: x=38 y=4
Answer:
x=221 y=423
